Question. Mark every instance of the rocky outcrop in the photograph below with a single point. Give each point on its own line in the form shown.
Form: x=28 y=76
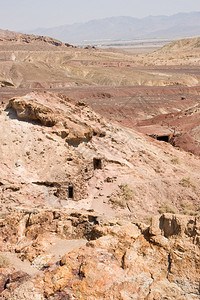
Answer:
x=25 y=231
x=7 y=36
x=128 y=263
x=121 y=260
x=31 y=111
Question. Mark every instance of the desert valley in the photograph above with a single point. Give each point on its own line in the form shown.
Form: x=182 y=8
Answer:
x=100 y=180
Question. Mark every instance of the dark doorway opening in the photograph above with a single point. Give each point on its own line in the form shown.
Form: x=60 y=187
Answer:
x=164 y=138
x=97 y=163
x=71 y=192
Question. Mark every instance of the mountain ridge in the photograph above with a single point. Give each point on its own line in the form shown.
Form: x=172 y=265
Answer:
x=125 y=27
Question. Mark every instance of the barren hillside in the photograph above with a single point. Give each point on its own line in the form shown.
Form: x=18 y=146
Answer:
x=55 y=151
x=181 y=52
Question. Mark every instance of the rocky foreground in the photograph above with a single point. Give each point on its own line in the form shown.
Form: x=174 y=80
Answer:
x=117 y=260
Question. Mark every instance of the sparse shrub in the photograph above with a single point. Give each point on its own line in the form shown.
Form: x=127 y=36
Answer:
x=175 y=161
x=158 y=169
x=116 y=201
x=188 y=208
x=4 y=261
x=121 y=198
x=167 y=208
x=186 y=182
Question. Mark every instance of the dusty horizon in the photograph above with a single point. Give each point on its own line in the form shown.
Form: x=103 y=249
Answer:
x=27 y=15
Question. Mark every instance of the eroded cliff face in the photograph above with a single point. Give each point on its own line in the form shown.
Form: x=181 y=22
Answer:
x=56 y=152
x=120 y=259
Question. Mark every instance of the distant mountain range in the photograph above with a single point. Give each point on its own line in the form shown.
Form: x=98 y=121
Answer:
x=127 y=28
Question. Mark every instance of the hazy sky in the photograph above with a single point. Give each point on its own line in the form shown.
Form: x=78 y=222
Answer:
x=31 y=14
